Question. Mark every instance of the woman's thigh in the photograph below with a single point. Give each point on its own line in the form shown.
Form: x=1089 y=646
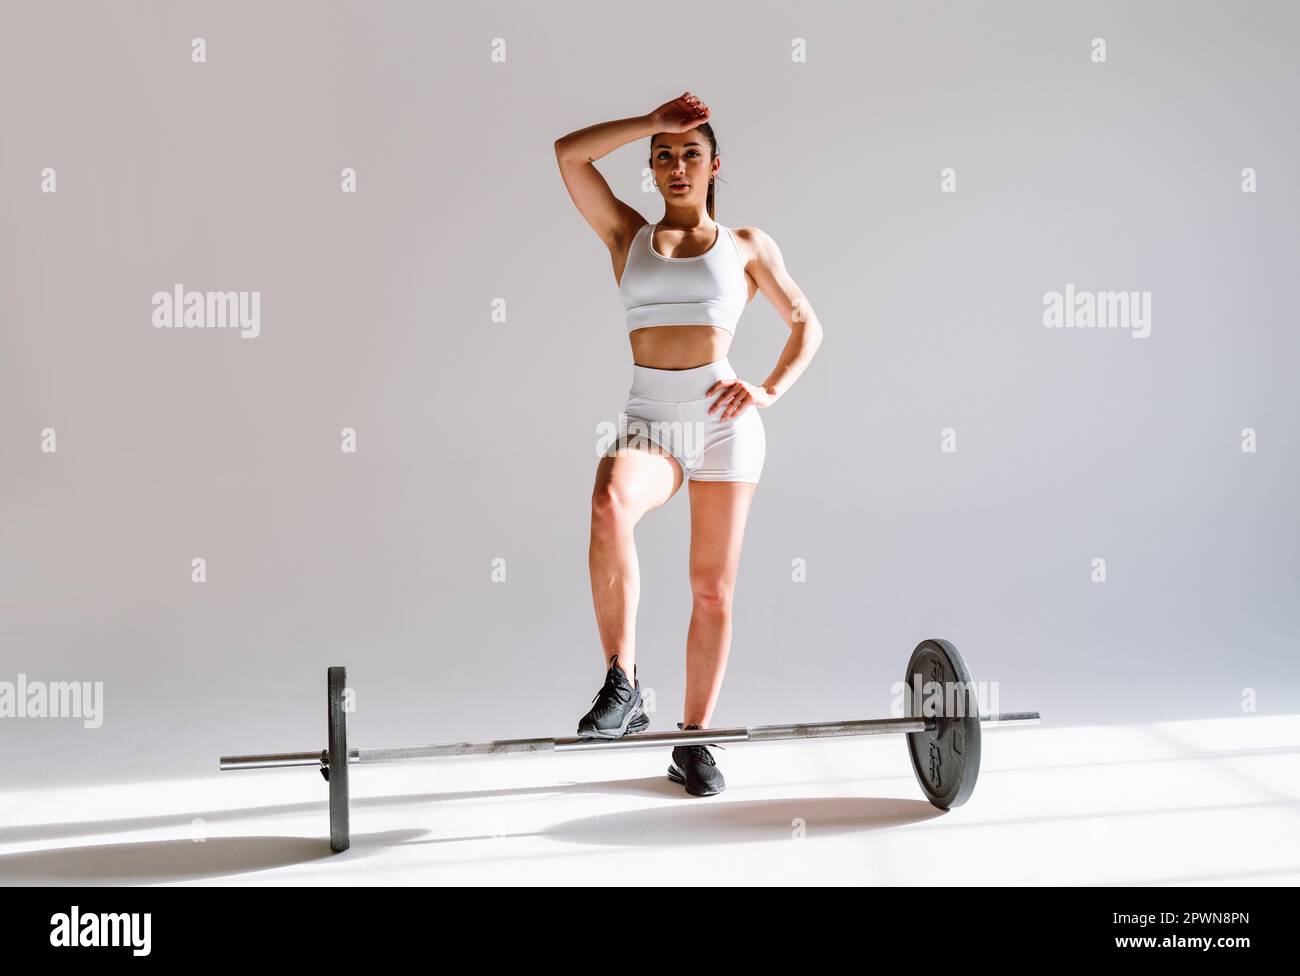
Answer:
x=719 y=511
x=642 y=468
x=638 y=478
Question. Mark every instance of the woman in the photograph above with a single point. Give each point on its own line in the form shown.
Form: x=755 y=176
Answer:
x=684 y=283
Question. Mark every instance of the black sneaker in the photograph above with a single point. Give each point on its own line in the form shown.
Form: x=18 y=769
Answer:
x=694 y=768
x=618 y=710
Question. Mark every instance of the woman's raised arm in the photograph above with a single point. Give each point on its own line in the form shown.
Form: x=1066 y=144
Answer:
x=611 y=218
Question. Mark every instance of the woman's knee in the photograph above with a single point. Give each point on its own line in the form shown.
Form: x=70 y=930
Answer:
x=712 y=592
x=614 y=505
x=609 y=503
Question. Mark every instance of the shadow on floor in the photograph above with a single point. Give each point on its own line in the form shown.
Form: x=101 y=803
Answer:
x=694 y=820
x=714 y=820
x=173 y=861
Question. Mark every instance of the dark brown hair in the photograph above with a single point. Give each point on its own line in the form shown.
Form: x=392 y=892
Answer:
x=707 y=131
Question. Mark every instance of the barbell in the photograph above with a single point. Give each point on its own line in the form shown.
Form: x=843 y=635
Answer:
x=941 y=721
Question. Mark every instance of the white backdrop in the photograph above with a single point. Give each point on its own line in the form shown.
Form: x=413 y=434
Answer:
x=476 y=437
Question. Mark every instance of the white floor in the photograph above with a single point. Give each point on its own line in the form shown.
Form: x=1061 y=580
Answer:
x=1202 y=802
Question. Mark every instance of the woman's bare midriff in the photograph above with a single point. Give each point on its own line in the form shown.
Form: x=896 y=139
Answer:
x=678 y=346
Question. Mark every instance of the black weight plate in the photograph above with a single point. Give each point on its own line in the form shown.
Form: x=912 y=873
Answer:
x=340 y=829
x=947 y=759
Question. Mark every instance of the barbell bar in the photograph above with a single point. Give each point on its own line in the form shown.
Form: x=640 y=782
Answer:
x=944 y=748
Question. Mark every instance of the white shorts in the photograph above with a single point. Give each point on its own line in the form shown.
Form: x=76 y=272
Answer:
x=667 y=412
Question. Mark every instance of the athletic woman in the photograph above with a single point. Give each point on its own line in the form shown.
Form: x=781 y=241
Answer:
x=684 y=283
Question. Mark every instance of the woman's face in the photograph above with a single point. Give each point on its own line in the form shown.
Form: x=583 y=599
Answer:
x=682 y=166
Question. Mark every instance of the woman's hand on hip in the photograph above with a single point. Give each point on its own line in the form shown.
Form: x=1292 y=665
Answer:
x=736 y=396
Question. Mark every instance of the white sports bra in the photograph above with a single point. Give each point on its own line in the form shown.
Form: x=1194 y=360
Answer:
x=706 y=289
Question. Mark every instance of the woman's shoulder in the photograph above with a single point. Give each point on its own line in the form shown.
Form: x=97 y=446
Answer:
x=752 y=242
x=751 y=235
